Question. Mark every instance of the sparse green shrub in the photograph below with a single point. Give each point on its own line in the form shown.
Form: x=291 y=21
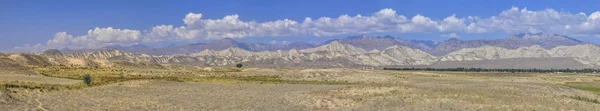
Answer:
x=586 y=86
x=87 y=79
x=239 y=65
x=586 y=99
x=122 y=75
x=38 y=86
x=4 y=88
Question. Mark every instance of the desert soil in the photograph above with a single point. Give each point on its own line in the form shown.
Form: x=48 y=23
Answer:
x=371 y=90
x=36 y=78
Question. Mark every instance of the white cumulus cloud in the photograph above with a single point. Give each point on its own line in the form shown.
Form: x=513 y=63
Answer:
x=452 y=24
x=29 y=48
x=515 y=20
x=512 y=20
x=96 y=38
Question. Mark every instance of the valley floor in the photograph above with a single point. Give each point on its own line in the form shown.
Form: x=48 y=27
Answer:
x=322 y=89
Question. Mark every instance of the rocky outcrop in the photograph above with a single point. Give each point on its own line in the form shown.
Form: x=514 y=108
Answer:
x=395 y=55
x=368 y=43
x=380 y=43
x=488 y=52
x=546 y=41
x=342 y=55
x=10 y=66
x=586 y=54
x=103 y=54
x=454 y=44
x=298 y=45
x=336 y=46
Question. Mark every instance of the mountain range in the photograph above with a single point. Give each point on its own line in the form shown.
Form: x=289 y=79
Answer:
x=436 y=48
x=517 y=51
x=214 y=45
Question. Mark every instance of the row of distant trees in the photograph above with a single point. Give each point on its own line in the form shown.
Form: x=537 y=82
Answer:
x=534 y=70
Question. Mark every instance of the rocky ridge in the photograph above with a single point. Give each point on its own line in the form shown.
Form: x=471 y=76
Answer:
x=546 y=41
x=339 y=54
x=344 y=53
x=586 y=54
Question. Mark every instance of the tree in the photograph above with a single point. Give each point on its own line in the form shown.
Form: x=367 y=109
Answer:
x=122 y=75
x=87 y=79
x=239 y=65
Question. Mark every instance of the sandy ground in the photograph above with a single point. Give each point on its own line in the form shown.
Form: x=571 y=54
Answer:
x=36 y=78
x=166 y=95
x=376 y=90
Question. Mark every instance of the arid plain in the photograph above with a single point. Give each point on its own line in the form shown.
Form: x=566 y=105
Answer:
x=181 y=87
x=299 y=55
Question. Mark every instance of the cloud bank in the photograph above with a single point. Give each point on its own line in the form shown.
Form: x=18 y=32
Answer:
x=513 y=20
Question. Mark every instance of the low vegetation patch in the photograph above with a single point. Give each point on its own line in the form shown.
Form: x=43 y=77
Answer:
x=16 y=85
x=87 y=79
x=258 y=79
x=587 y=86
x=102 y=76
x=76 y=72
x=585 y=99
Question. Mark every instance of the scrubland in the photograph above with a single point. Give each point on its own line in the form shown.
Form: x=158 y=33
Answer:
x=182 y=87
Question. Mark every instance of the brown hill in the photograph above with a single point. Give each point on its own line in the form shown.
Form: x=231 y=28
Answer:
x=9 y=66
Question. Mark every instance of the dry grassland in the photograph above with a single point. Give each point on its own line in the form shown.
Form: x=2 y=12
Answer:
x=180 y=87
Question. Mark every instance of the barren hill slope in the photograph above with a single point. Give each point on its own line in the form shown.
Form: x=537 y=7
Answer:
x=586 y=54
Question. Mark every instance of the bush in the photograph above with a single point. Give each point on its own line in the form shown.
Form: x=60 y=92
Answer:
x=122 y=75
x=87 y=79
x=586 y=99
x=239 y=65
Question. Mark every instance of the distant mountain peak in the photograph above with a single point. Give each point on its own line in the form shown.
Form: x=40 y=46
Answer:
x=51 y=52
x=392 y=47
x=354 y=37
x=453 y=39
x=298 y=45
x=367 y=43
x=336 y=46
x=335 y=43
x=536 y=36
x=140 y=46
x=125 y=47
x=529 y=34
x=299 y=42
x=229 y=40
x=389 y=36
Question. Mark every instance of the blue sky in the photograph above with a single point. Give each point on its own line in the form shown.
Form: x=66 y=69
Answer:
x=86 y=23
